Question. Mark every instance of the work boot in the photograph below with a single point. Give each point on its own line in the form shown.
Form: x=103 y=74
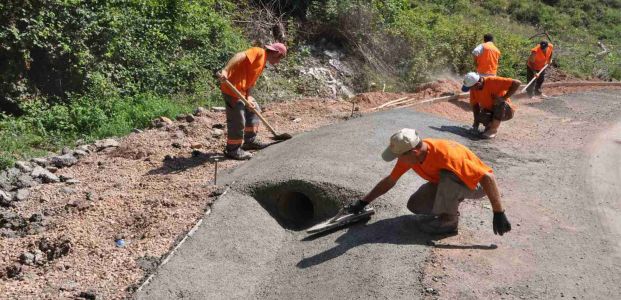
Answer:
x=254 y=145
x=443 y=224
x=423 y=218
x=237 y=154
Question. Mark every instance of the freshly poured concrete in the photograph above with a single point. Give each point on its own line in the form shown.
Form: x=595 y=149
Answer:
x=240 y=251
x=558 y=176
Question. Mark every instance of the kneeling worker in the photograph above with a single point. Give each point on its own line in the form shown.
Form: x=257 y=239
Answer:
x=454 y=174
x=489 y=99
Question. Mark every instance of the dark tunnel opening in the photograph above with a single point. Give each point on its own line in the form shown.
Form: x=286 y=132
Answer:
x=296 y=209
x=299 y=204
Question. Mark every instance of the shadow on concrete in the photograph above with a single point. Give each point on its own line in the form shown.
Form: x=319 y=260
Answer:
x=461 y=104
x=458 y=130
x=400 y=230
x=176 y=165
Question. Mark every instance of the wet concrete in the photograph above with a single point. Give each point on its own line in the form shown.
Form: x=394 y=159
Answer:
x=241 y=250
x=566 y=244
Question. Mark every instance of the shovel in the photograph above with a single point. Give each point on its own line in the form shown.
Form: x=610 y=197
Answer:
x=535 y=78
x=278 y=137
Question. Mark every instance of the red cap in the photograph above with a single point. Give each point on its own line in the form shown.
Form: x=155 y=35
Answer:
x=278 y=47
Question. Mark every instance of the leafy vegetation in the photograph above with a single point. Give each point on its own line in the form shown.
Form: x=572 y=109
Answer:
x=75 y=69
x=89 y=69
x=418 y=39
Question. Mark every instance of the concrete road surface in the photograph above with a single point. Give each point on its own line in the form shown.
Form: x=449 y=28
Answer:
x=559 y=180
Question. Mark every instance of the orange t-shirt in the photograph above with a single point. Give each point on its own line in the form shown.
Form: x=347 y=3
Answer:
x=244 y=75
x=446 y=155
x=492 y=86
x=541 y=58
x=487 y=62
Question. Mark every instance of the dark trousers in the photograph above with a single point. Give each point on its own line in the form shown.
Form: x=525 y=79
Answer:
x=242 y=124
x=500 y=112
x=535 y=88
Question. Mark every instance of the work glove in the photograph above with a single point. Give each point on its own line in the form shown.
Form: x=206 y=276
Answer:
x=501 y=224
x=355 y=207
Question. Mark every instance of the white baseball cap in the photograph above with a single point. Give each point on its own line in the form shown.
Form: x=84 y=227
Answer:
x=469 y=80
x=401 y=142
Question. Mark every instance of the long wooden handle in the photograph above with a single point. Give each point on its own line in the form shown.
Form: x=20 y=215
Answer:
x=534 y=78
x=243 y=99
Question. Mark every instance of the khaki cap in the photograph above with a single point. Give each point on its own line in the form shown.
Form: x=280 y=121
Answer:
x=401 y=142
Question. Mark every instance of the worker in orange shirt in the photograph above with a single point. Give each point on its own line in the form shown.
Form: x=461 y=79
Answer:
x=490 y=102
x=486 y=56
x=540 y=56
x=242 y=71
x=453 y=173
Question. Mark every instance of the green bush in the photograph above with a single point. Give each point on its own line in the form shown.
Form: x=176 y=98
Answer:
x=52 y=48
x=89 y=69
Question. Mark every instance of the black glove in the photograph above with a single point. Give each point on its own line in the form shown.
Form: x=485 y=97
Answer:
x=501 y=224
x=355 y=207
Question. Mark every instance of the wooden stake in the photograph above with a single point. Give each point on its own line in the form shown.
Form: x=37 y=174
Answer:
x=353 y=107
x=215 y=175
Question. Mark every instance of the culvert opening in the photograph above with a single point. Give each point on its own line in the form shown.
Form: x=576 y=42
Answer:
x=295 y=208
x=299 y=204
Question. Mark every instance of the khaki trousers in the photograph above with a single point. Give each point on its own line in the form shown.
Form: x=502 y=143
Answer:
x=442 y=198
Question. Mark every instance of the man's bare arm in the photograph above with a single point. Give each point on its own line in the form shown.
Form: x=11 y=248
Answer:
x=380 y=189
x=488 y=182
x=236 y=59
x=531 y=58
x=514 y=87
x=475 y=112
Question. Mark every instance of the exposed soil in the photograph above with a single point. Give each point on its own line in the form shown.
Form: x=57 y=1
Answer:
x=133 y=193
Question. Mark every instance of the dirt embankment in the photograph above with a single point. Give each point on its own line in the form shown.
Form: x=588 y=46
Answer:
x=128 y=205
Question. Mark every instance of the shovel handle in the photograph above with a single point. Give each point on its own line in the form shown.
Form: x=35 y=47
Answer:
x=243 y=99
x=534 y=78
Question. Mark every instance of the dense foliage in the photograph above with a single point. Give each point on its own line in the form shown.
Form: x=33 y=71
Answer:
x=88 y=69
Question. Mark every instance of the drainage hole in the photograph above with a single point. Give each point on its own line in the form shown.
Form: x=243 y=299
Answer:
x=295 y=208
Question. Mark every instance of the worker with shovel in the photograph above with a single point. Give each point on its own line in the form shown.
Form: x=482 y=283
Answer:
x=539 y=59
x=453 y=173
x=490 y=102
x=242 y=71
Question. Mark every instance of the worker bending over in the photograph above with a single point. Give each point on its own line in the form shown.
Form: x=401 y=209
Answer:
x=490 y=102
x=242 y=123
x=453 y=173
